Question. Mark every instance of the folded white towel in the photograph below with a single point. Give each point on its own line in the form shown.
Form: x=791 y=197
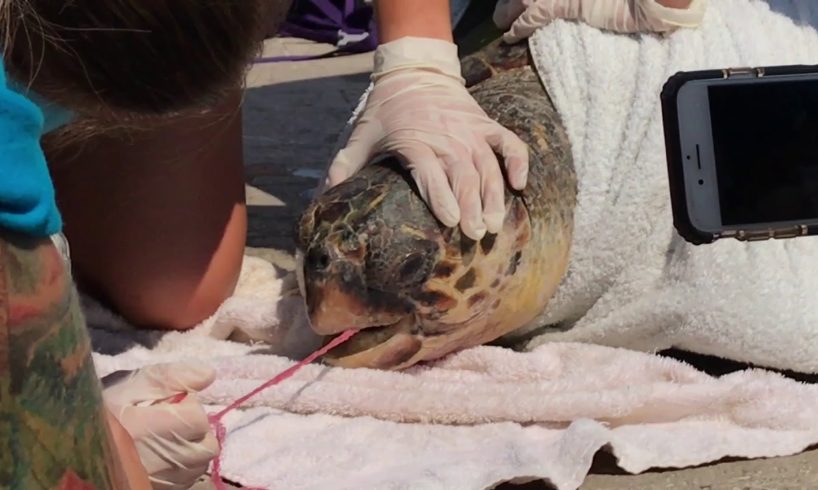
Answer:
x=469 y=421
x=632 y=282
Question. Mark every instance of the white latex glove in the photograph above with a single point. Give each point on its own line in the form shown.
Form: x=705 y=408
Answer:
x=507 y=11
x=420 y=111
x=174 y=440
x=614 y=15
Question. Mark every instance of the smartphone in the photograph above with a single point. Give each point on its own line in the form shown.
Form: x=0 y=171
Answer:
x=742 y=152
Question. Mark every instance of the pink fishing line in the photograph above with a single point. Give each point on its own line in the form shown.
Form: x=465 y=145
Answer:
x=216 y=419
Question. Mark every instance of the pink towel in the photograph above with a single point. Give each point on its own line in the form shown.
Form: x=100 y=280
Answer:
x=471 y=420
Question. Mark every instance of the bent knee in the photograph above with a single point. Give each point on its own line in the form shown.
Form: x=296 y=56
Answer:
x=178 y=304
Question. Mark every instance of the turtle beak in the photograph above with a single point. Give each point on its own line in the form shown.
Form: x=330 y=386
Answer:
x=338 y=299
x=392 y=348
x=333 y=308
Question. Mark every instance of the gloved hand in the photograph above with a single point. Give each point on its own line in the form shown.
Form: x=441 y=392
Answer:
x=174 y=440
x=614 y=15
x=507 y=11
x=420 y=111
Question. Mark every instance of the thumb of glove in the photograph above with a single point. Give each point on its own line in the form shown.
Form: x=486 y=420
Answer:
x=156 y=382
x=356 y=153
x=536 y=15
x=507 y=11
x=180 y=377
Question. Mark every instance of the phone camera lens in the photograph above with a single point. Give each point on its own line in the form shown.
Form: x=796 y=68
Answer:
x=701 y=182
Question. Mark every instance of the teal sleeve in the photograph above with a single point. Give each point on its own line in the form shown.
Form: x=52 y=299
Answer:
x=27 y=201
x=54 y=115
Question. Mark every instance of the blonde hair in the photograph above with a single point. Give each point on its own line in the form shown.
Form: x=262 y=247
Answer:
x=133 y=57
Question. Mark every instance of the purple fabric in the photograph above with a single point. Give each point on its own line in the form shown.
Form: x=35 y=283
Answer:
x=347 y=24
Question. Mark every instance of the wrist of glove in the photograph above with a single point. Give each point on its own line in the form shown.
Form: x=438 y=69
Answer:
x=172 y=437
x=523 y=17
x=420 y=111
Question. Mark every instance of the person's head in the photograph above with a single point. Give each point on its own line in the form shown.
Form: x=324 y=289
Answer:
x=132 y=58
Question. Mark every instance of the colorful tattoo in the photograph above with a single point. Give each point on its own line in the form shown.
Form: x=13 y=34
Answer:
x=53 y=432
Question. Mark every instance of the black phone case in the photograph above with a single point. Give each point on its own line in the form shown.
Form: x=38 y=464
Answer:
x=670 y=120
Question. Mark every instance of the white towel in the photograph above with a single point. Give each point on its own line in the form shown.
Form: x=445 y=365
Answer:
x=632 y=281
x=265 y=314
x=471 y=420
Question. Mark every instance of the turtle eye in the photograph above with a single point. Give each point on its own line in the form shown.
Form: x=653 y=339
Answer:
x=400 y=267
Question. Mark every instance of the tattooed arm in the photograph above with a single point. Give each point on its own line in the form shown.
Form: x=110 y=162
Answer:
x=55 y=432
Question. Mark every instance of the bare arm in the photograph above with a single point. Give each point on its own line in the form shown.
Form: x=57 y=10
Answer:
x=420 y=18
x=432 y=18
x=55 y=432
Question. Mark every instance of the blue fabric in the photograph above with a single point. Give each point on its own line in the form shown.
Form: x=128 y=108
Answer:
x=54 y=116
x=458 y=8
x=27 y=201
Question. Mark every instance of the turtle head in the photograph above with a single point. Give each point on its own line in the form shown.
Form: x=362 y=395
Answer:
x=372 y=257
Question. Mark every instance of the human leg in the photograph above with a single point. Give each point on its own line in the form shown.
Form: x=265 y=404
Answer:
x=156 y=218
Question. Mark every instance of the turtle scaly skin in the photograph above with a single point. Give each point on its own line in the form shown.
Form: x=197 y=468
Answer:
x=495 y=58
x=373 y=257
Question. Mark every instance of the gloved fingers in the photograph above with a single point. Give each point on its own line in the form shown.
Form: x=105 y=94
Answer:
x=210 y=445
x=492 y=187
x=159 y=381
x=507 y=10
x=186 y=419
x=624 y=16
x=465 y=183
x=538 y=14
x=432 y=182
x=174 y=461
x=357 y=152
x=176 y=453
x=617 y=16
x=181 y=377
x=177 y=479
x=345 y=164
x=515 y=155
x=661 y=18
x=126 y=387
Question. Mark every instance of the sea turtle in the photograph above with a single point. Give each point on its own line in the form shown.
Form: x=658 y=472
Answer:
x=373 y=257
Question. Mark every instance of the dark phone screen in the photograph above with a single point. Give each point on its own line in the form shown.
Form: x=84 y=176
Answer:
x=765 y=140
